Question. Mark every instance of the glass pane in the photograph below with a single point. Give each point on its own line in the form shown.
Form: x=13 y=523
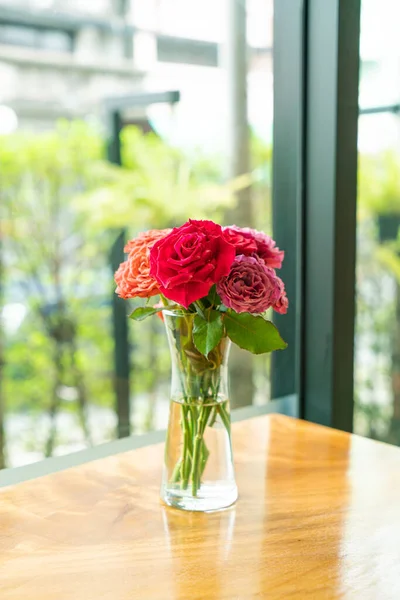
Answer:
x=379 y=50
x=377 y=355
x=67 y=211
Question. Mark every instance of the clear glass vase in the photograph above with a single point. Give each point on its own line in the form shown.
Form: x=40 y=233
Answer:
x=198 y=467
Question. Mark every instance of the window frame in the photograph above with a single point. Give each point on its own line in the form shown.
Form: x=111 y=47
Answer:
x=314 y=201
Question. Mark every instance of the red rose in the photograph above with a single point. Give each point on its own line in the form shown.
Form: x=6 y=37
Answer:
x=188 y=261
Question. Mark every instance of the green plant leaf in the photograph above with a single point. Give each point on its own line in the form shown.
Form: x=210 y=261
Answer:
x=207 y=333
x=252 y=333
x=213 y=297
x=199 y=309
x=141 y=313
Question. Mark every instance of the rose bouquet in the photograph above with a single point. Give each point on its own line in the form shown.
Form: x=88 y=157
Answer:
x=216 y=285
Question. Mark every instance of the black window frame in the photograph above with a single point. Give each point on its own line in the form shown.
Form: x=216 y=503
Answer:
x=316 y=72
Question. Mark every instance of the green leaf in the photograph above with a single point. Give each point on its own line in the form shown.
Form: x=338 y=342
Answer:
x=199 y=310
x=252 y=333
x=207 y=333
x=213 y=297
x=141 y=313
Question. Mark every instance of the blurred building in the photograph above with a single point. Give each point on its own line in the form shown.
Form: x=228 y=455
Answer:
x=63 y=58
x=61 y=64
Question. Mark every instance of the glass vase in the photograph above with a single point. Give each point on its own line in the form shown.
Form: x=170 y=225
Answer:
x=198 y=467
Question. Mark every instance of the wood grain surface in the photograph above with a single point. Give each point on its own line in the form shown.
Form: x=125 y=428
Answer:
x=318 y=517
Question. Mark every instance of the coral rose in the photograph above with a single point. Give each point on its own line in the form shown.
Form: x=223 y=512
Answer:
x=133 y=277
x=251 y=286
x=187 y=262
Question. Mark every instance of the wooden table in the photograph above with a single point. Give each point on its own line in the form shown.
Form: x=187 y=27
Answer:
x=318 y=517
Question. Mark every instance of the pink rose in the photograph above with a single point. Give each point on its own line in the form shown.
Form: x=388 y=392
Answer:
x=243 y=241
x=187 y=262
x=251 y=286
x=267 y=250
x=282 y=304
x=251 y=242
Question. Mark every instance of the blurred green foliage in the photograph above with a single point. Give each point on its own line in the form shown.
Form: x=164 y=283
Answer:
x=52 y=260
x=60 y=203
x=379 y=183
x=157 y=186
x=378 y=278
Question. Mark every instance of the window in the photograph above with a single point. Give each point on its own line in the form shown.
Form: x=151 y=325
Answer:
x=157 y=114
x=377 y=391
x=67 y=212
x=31 y=37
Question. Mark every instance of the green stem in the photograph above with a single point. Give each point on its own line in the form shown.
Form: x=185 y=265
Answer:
x=225 y=418
x=176 y=474
x=197 y=467
x=187 y=448
x=213 y=416
x=205 y=453
x=163 y=300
